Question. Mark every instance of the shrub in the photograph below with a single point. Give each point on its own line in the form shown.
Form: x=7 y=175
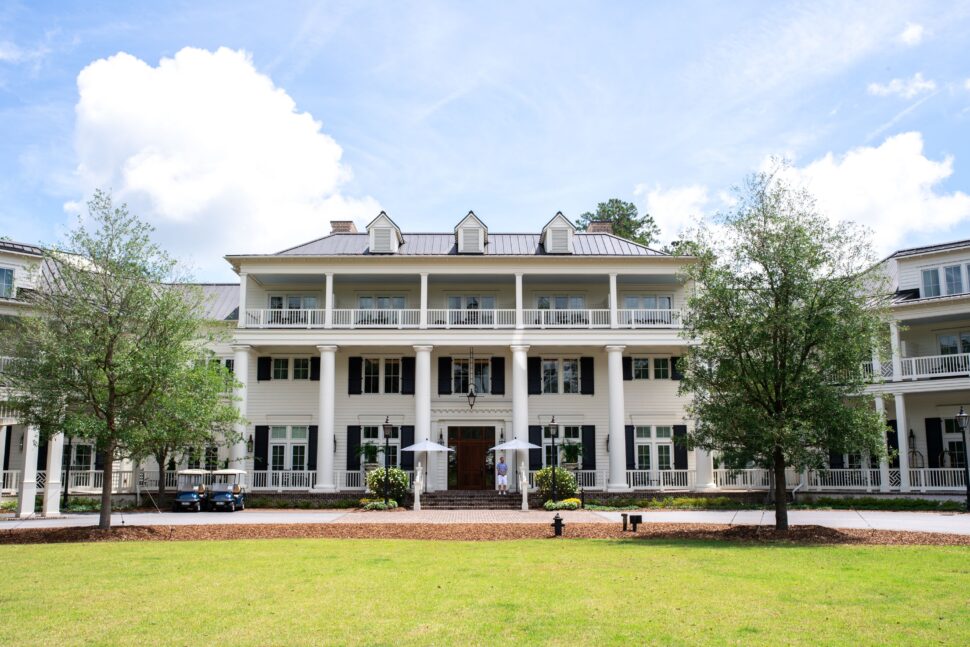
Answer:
x=398 y=486
x=565 y=504
x=565 y=482
x=376 y=504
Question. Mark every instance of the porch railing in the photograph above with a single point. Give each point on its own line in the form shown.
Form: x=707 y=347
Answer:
x=376 y=318
x=938 y=478
x=283 y=318
x=10 y=481
x=541 y=318
x=843 y=479
x=660 y=479
x=936 y=366
x=655 y=318
x=283 y=480
x=471 y=318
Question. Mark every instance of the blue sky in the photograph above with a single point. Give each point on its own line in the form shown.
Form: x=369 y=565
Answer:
x=242 y=127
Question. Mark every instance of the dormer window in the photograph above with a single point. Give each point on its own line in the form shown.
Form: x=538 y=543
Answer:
x=471 y=235
x=385 y=236
x=557 y=235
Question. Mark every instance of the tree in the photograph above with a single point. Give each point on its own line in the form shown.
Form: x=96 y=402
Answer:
x=627 y=223
x=195 y=409
x=784 y=321
x=106 y=339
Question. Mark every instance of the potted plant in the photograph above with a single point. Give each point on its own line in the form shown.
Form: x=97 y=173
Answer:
x=570 y=455
x=368 y=453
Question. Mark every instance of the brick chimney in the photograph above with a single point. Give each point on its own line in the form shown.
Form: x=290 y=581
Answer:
x=343 y=227
x=600 y=227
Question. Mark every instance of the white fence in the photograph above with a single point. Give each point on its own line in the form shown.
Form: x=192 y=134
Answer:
x=472 y=318
x=660 y=479
x=665 y=318
x=566 y=318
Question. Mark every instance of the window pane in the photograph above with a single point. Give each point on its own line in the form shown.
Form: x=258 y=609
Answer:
x=577 y=303
x=6 y=283
x=459 y=376
x=663 y=303
x=641 y=368
x=650 y=302
x=549 y=455
x=392 y=459
x=642 y=432
x=663 y=457
x=931 y=283
x=665 y=432
x=369 y=433
x=281 y=368
x=661 y=368
x=561 y=302
x=365 y=303
x=231 y=365
x=483 y=382
x=298 y=458
x=571 y=433
x=301 y=368
x=309 y=302
x=631 y=303
x=211 y=458
x=948 y=345
x=393 y=433
x=570 y=376
x=278 y=457
x=643 y=457
x=372 y=376
x=397 y=303
x=542 y=303
x=82 y=457
x=276 y=303
x=954 y=279
x=277 y=433
x=955 y=455
x=964 y=342
x=454 y=303
x=299 y=433
x=392 y=376
x=488 y=303
x=550 y=376
x=293 y=303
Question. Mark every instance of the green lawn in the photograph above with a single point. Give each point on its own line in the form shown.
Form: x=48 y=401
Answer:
x=495 y=593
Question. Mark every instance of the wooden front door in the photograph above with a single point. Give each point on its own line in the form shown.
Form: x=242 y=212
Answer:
x=470 y=466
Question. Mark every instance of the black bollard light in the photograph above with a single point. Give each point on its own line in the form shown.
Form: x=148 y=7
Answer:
x=636 y=520
x=558 y=525
x=624 y=515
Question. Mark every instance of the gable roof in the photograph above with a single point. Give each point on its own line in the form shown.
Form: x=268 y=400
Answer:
x=20 y=248
x=443 y=244
x=929 y=249
x=561 y=218
x=471 y=216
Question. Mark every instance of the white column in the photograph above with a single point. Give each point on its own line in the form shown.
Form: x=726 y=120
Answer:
x=902 y=432
x=328 y=378
x=422 y=402
x=897 y=357
x=617 y=480
x=240 y=368
x=424 y=300
x=52 y=486
x=614 y=315
x=883 y=463
x=519 y=317
x=328 y=304
x=28 y=478
x=243 y=284
x=704 y=470
x=520 y=400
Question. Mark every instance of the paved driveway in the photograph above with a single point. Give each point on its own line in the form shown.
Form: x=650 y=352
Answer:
x=176 y=519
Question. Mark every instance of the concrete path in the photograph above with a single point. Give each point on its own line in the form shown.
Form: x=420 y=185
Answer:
x=865 y=519
x=912 y=521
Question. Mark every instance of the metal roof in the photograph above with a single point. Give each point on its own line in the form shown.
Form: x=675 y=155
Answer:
x=443 y=244
x=927 y=249
x=20 y=248
x=220 y=300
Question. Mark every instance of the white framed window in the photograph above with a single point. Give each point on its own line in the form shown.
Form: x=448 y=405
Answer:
x=550 y=376
x=281 y=368
x=641 y=368
x=463 y=374
x=288 y=447
x=661 y=368
x=381 y=375
x=6 y=283
x=654 y=447
x=953 y=278
x=561 y=375
x=471 y=302
x=381 y=302
x=79 y=458
x=561 y=302
x=569 y=434
x=647 y=301
x=374 y=435
x=301 y=368
x=931 y=283
x=570 y=376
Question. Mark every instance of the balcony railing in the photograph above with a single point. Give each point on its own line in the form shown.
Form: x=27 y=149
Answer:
x=444 y=318
x=660 y=479
x=936 y=366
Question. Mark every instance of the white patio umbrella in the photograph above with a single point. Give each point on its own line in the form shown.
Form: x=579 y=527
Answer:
x=514 y=444
x=426 y=446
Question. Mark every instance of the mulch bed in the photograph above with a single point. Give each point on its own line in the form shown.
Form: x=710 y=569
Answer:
x=481 y=532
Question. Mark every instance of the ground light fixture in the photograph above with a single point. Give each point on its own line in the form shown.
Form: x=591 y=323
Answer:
x=962 y=420
x=388 y=430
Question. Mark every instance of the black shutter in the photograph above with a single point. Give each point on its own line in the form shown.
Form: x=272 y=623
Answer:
x=675 y=373
x=586 y=377
x=498 y=376
x=534 y=365
x=98 y=461
x=535 y=455
x=407 y=439
x=8 y=431
x=444 y=376
x=261 y=448
x=892 y=443
x=264 y=368
x=407 y=375
x=315 y=369
x=627 y=369
x=631 y=454
x=836 y=461
x=589 y=447
x=311 y=449
x=354 y=366
x=353 y=444
x=934 y=442
x=680 y=447
x=42 y=456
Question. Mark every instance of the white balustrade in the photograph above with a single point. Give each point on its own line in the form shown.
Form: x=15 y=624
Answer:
x=471 y=318
x=653 y=318
x=10 y=481
x=349 y=480
x=280 y=480
x=956 y=365
x=285 y=318
x=542 y=318
x=376 y=318
x=938 y=478
x=842 y=479
x=660 y=479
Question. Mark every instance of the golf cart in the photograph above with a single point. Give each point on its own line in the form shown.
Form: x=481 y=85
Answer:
x=228 y=490
x=190 y=490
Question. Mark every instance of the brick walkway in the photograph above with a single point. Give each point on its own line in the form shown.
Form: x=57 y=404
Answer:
x=470 y=516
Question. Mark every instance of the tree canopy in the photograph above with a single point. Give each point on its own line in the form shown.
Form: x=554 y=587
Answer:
x=785 y=321
x=626 y=220
x=109 y=340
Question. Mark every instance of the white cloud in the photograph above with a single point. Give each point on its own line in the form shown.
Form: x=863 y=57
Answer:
x=966 y=84
x=673 y=209
x=905 y=88
x=12 y=53
x=912 y=34
x=212 y=153
x=893 y=189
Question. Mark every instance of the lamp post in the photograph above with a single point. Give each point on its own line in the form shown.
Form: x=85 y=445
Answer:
x=553 y=433
x=962 y=420
x=388 y=428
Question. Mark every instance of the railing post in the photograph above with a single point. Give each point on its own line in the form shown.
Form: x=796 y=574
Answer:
x=614 y=320
x=423 y=321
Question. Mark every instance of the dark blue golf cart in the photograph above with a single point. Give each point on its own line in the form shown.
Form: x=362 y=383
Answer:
x=190 y=491
x=228 y=490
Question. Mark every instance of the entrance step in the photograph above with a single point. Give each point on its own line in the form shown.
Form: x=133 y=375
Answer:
x=474 y=500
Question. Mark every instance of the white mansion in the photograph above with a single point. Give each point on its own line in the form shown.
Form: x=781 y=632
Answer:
x=340 y=338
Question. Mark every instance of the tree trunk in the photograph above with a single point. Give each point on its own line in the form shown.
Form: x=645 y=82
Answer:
x=160 y=458
x=781 y=500
x=107 y=478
